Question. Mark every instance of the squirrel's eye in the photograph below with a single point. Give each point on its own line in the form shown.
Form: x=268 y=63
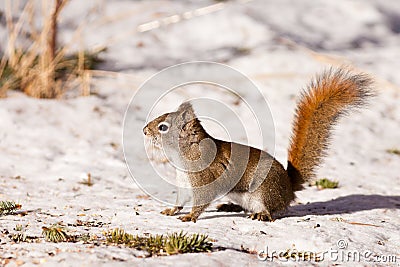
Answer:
x=163 y=127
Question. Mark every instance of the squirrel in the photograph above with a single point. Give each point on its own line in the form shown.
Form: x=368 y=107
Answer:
x=328 y=97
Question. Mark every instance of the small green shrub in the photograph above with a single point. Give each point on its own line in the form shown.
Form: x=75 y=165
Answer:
x=8 y=207
x=326 y=183
x=174 y=243
x=55 y=233
x=177 y=243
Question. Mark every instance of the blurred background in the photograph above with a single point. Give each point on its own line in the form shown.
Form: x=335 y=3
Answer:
x=137 y=35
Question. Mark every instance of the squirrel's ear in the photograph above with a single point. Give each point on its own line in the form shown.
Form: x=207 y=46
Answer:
x=186 y=111
x=185 y=106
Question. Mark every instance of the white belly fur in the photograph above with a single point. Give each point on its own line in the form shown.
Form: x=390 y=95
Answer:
x=184 y=194
x=248 y=201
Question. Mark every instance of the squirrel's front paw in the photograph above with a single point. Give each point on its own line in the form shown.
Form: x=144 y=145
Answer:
x=261 y=216
x=187 y=218
x=171 y=212
x=168 y=212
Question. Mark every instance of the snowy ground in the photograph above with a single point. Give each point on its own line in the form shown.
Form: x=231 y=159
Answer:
x=49 y=146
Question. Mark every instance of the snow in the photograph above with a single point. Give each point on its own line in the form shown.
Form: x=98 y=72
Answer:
x=49 y=146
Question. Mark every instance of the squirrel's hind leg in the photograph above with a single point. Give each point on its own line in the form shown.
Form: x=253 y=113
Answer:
x=262 y=216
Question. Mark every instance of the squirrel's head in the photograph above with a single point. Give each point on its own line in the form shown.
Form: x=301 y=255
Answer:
x=182 y=138
x=169 y=128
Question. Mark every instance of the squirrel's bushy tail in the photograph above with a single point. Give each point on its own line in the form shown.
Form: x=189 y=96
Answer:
x=328 y=97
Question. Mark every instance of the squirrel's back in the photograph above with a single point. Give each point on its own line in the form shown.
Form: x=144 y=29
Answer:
x=326 y=99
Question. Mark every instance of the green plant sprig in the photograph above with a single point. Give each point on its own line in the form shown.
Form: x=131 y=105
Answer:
x=55 y=233
x=175 y=243
x=326 y=183
x=8 y=207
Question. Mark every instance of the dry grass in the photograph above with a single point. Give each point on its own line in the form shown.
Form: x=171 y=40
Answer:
x=88 y=181
x=40 y=68
x=393 y=151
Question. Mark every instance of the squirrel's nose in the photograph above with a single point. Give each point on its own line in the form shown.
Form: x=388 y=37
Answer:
x=146 y=130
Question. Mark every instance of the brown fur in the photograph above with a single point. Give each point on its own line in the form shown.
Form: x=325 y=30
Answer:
x=329 y=97
x=252 y=177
